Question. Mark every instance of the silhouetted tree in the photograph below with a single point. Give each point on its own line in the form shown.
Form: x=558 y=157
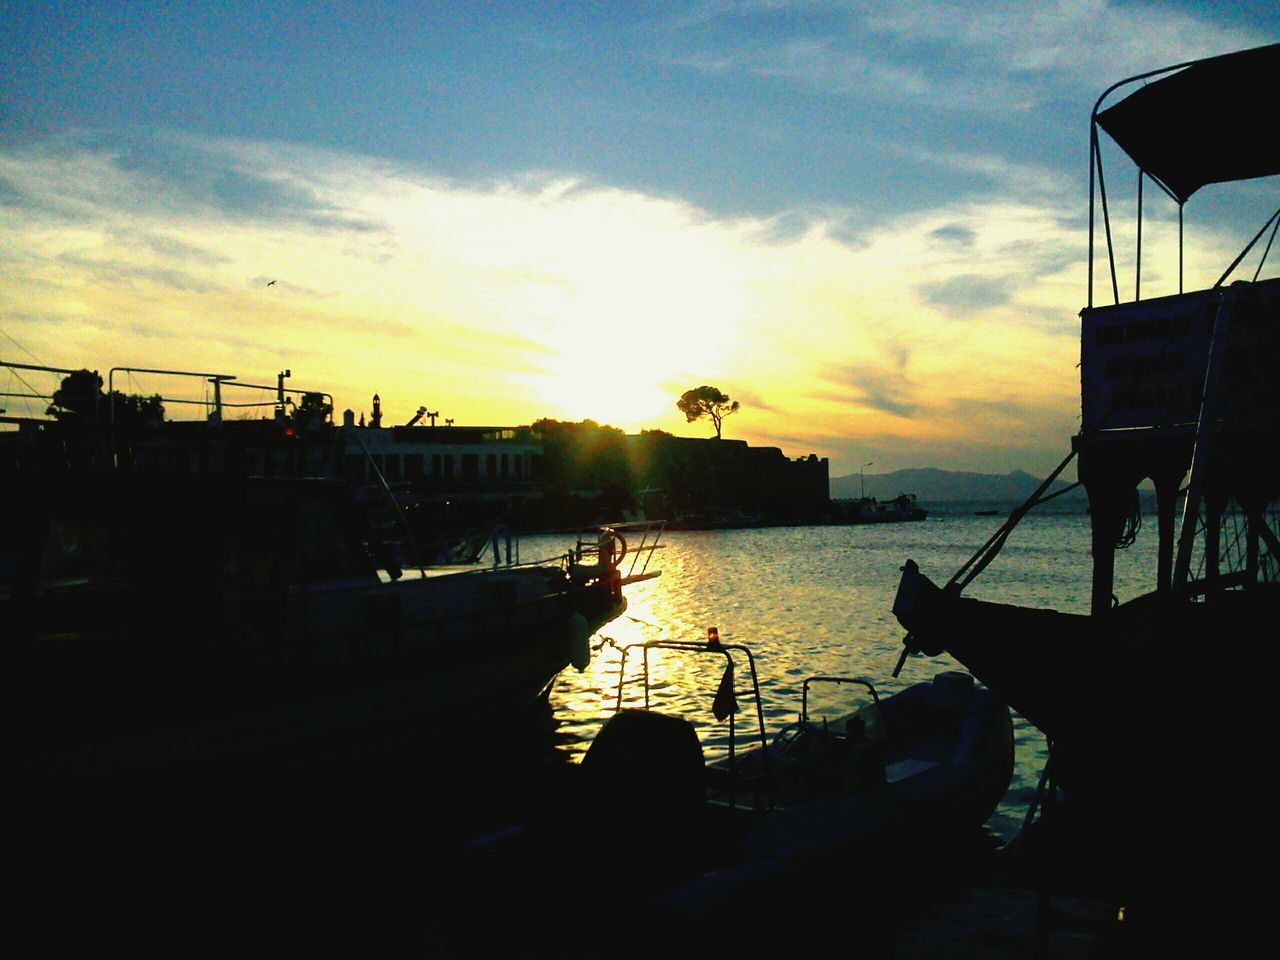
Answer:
x=313 y=411
x=80 y=398
x=584 y=455
x=77 y=398
x=706 y=401
x=131 y=409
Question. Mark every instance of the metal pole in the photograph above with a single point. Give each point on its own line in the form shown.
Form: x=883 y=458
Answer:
x=280 y=378
x=1093 y=150
x=1205 y=426
x=1137 y=283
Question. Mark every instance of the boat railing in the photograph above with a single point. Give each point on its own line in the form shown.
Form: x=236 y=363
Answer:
x=726 y=698
x=610 y=545
x=98 y=410
x=500 y=536
x=804 y=691
x=31 y=392
x=870 y=721
x=282 y=402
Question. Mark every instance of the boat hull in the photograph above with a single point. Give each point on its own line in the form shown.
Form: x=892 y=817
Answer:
x=1142 y=747
x=273 y=634
x=689 y=860
x=950 y=761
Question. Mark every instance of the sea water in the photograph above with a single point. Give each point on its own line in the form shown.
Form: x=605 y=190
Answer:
x=818 y=600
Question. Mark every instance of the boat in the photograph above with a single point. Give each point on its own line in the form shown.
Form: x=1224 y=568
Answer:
x=822 y=797
x=900 y=509
x=161 y=620
x=714 y=519
x=1146 y=759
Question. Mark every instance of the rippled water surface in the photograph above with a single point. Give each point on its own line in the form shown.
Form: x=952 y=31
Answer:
x=816 y=600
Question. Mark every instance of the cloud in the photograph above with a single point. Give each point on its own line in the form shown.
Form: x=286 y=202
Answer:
x=966 y=294
x=1003 y=57
x=10 y=196
x=882 y=386
x=957 y=233
x=231 y=180
x=755 y=402
x=1078 y=40
x=135 y=276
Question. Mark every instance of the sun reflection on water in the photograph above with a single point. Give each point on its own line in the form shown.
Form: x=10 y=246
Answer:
x=817 y=600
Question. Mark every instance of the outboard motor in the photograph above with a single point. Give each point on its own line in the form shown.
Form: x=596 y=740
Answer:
x=646 y=761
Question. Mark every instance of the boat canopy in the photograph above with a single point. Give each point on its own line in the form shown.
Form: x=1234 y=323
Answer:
x=1207 y=123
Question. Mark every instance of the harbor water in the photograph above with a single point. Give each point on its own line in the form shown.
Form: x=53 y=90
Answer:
x=817 y=600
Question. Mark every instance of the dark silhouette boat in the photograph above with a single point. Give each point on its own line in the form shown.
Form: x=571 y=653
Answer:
x=1182 y=390
x=160 y=620
x=900 y=509
x=920 y=767
x=934 y=758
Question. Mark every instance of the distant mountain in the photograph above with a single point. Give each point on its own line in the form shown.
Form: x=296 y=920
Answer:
x=931 y=484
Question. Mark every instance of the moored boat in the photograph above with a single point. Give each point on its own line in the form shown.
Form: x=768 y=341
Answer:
x=900 y=509
x=159 y=616
x=816 y=801
x=931 y=760
x=1179 y=390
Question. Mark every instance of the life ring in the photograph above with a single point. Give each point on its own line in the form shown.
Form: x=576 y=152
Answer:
x=614 y=558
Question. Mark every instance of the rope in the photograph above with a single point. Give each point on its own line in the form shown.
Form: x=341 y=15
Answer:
x=1132 y=524
x=989 y=550
x=1266 y=251
x=606 y=642
x=39 y=362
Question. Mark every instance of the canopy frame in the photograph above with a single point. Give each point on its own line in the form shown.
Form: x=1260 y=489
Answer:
x=1179 y=195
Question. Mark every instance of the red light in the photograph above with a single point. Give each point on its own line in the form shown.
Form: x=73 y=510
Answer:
x=288 y=431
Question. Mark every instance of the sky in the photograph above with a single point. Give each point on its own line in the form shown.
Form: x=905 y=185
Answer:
x=864 y=221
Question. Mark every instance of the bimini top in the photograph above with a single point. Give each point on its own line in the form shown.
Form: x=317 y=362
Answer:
x=1207 y=123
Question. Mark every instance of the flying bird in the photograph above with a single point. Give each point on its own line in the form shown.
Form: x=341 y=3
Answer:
x=271 y=283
